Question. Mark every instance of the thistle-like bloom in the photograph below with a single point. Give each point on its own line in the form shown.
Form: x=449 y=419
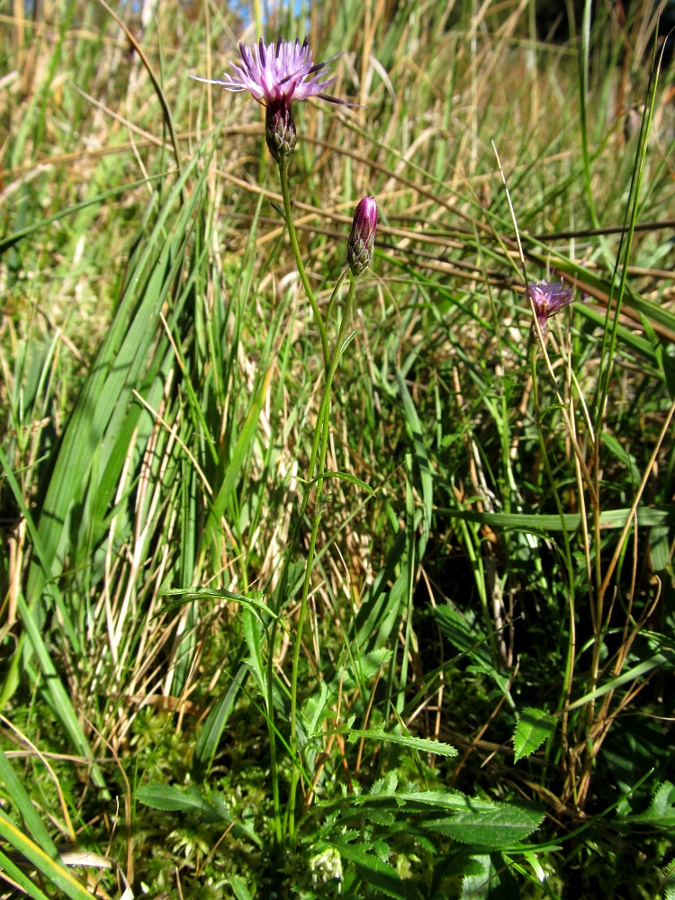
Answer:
x=547 y=300
x=362 y=236
x=275 y=75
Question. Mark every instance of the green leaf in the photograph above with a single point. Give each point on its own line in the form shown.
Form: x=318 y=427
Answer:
x=60 y=701
x=483 y=879
x=208 y=740
x=412 y=743
x=416 y=432
x=471 y=640
x=533 y=523
x=375 y=871
x=239 y=454
x=254 y=603
x=19 y=797
x=638 y=671
x=52 y=869
x=492 y=825
x=661 y=811
x=666 y=357
x=364 y=668
x=343 y=476
x=534 y=727
x=98 y=200
x=15 y=873
x=240 y=890
x=164 y=796
x=252 y=634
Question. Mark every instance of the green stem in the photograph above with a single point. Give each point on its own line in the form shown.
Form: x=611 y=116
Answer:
x=317 y=466
x=271 y=728
x=288 y=213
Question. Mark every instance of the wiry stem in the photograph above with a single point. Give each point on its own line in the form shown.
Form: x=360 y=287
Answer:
x=288 y=214
x=317 y=468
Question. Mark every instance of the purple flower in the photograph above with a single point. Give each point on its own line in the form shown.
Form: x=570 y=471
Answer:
x=362 y=236
x=547 y=300
x=275 y=75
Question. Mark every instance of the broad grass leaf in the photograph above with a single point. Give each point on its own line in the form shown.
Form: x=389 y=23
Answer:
x=252 y=634
x=416 y=432
x=534 y=727
x=313 y=709
x=58 y=696
x=51 y=869
x=364 y=668
x=659 y=548
x=17 y=793
x=659 y=659
x=212 y=731
x=239 y=455
x=376 y=617
x=534 y=523
x=343 y=476
x=103 y=403
x=14 y=872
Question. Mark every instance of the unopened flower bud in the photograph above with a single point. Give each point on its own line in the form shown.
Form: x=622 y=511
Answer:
x=280 y=130
x=362 y=237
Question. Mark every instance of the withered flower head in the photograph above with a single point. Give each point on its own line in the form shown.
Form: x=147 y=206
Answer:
x=548 y=298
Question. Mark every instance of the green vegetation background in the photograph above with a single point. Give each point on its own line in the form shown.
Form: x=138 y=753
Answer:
x=494 y=570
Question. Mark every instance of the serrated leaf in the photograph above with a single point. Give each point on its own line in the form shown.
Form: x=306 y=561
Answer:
x=413 y=743
x=534 y=727
x=661 y=811
x=385 y=786
x=496 y=828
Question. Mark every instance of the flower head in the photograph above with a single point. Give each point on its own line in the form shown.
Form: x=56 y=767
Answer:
x=548 y=298
x=280 y=71
x=362 y=236
x=275 y=75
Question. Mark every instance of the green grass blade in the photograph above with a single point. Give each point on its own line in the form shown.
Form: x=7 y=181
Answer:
x=19 y=797
x=15 y=873
x=51 y=869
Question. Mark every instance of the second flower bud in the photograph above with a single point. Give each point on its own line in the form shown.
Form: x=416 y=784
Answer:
x=362 y=237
